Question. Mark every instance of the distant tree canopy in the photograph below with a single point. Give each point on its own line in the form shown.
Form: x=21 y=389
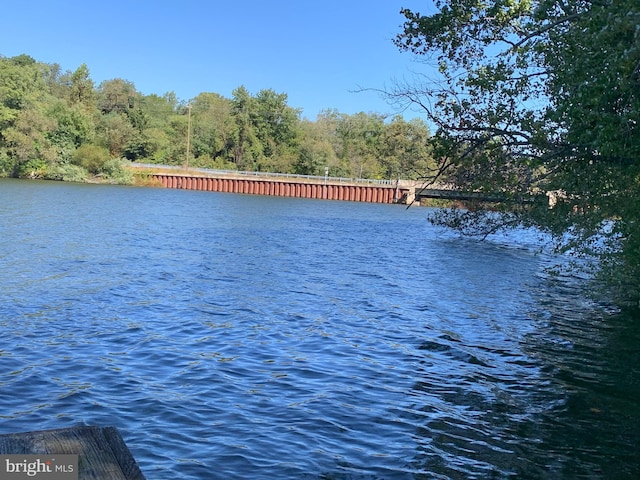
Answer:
x=50 y=118
x=538 y=96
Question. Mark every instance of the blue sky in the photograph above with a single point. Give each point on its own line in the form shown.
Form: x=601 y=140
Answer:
x=317 y=52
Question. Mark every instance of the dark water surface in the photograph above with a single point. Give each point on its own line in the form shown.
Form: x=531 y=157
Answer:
x=233 y=337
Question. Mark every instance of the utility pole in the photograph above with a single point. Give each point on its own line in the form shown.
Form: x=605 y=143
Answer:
x=324 y=188
x=188 y=133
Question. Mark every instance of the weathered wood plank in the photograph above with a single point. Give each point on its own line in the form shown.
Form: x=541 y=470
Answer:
x=102 y=453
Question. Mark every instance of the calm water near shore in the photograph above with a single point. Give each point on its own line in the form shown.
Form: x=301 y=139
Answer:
x=234 y=336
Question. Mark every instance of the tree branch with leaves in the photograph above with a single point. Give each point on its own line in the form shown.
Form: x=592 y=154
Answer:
x=536 y=96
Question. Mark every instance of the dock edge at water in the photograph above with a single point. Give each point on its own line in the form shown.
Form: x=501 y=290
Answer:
x=102 y=452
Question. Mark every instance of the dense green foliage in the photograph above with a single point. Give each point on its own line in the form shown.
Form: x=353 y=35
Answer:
x=59 y=125
x=538 y=96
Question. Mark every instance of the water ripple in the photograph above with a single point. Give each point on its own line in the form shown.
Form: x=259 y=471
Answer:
x=248 y=337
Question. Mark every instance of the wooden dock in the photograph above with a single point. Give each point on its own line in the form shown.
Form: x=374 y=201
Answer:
x=102 y=453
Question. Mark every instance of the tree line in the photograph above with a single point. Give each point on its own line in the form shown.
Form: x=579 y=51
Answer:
x=58 y=124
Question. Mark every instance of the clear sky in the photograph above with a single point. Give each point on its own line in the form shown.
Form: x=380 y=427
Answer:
x=317 y=52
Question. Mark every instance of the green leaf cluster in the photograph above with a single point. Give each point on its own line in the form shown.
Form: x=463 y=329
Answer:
x=539 y=97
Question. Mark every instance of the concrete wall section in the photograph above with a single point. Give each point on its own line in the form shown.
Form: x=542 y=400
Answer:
x=353 y=193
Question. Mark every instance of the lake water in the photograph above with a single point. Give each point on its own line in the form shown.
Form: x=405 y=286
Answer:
x=231 y=337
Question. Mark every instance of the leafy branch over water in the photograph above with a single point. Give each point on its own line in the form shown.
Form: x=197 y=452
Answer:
x=538 y=96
